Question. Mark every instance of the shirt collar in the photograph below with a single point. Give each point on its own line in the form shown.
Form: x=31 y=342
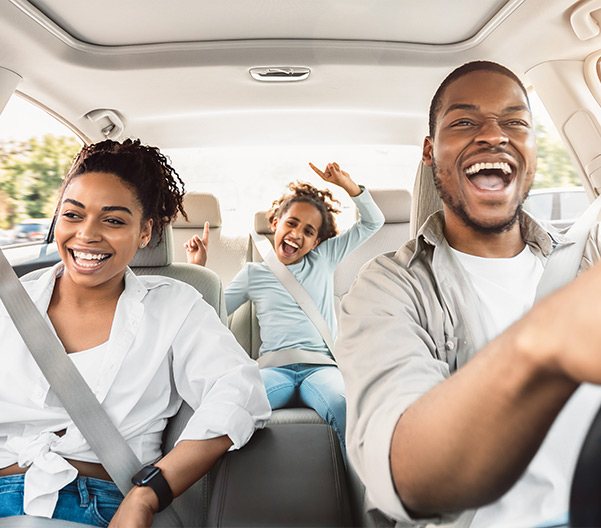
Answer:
x=40 y=289
x=540 y=238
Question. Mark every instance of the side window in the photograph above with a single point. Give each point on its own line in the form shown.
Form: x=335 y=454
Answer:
x=35 y=152
x=557 y=195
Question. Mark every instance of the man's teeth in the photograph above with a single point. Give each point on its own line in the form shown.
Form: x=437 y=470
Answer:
x=477 y=167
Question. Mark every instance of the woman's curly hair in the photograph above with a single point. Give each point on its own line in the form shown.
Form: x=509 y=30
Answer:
x=156 y=184
x=322 y=200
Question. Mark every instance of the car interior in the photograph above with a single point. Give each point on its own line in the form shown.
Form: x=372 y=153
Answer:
x=241 y=95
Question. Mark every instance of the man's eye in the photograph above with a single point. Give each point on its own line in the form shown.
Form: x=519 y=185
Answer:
x=462 y=123
x=517 y=122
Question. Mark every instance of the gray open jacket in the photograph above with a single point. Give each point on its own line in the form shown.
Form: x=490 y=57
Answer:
x=410 y=320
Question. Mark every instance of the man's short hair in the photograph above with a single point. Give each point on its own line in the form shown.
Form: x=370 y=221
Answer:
x=460 y=72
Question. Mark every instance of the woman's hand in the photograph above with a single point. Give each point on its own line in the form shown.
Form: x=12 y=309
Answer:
x=137 y=509
x=334 y=174
x=197 y=248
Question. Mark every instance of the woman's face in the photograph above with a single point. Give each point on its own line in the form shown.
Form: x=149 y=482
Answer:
x=99 y=229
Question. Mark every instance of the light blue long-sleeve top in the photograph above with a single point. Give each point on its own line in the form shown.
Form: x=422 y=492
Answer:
x=283 y=324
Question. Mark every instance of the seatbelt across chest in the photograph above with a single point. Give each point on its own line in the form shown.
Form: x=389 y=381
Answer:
x=307 y=305
x=113 y=452
x=563 y=264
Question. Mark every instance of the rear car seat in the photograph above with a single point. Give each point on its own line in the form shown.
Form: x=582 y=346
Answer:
x=227 y=254
x=425 y=198
x=395 y=204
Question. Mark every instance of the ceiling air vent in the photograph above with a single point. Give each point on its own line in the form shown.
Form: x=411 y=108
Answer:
x=280 y=74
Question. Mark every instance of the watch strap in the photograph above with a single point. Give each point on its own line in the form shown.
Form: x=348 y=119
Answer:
x=158 y=484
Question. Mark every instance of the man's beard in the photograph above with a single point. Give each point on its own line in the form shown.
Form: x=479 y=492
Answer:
x=458 y=207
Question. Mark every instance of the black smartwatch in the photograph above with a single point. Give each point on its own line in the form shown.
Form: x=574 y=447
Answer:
x=152 y=476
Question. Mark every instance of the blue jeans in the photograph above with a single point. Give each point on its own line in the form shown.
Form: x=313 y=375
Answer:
x=317 y=386
x=85 y=500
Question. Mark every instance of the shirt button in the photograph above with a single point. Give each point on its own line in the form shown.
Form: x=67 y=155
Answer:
x=450 y=345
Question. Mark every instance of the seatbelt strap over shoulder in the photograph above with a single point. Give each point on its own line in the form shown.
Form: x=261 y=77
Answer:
x=113 y=452
x=563 y=264
x=289 y=281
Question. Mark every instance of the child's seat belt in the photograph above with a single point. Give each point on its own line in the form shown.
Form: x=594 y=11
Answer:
x=113 y=452
x=280 y=358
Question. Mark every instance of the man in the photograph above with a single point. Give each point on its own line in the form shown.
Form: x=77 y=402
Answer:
x=456 y=300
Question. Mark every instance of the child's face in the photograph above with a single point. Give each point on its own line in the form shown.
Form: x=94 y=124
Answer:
x=99 y=229
x=295 y=232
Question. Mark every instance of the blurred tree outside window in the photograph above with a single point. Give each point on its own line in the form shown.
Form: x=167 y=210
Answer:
x=35 y=153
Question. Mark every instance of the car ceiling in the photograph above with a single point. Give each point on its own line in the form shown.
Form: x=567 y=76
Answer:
x=177 y=73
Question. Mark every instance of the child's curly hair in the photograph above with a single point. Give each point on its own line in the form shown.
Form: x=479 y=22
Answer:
x=322 y=200
x=156 y=184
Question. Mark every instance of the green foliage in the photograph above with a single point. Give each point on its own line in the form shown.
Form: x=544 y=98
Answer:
x=30 y=174
x=554 y=167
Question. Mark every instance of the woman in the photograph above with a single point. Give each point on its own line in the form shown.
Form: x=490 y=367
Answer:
x=142 y=344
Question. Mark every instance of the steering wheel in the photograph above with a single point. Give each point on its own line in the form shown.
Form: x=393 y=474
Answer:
x=585 y=495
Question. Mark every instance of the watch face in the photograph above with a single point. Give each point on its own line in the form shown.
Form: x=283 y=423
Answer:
x=145 y=475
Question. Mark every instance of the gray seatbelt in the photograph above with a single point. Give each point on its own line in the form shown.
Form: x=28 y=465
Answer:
x=115 y=455
x=299 y=294
x=289 y=356
x=564 y=263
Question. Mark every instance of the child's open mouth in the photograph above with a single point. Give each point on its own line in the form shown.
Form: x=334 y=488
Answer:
x=89 y=260
x=289 y=248
x=490 y=176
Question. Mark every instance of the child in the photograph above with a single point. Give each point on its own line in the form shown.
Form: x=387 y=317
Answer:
x=304 y=240
x=143 y=344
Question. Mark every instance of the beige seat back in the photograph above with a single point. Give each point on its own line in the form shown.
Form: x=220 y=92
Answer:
x=227 y=254
x=395 y=205
x=425 y=198
x=243 y=322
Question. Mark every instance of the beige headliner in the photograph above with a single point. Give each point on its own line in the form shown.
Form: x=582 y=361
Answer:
x=178 y=71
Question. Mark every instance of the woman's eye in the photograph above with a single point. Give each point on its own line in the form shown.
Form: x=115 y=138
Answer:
x=71 y=215
x=115 y=221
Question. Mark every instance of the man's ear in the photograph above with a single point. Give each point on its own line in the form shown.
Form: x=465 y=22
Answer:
x=427 y=151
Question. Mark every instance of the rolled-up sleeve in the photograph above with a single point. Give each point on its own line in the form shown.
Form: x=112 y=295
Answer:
x=214 y=375
x=388 y=360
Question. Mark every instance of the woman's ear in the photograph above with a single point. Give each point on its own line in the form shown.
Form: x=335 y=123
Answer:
x=145 y=233
x=316 y=243
x=274 y=224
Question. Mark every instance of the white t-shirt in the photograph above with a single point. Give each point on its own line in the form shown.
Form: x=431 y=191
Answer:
x=506 y=288
x=166 y=345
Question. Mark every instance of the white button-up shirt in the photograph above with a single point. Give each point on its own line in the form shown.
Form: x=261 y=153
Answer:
x=166 y=345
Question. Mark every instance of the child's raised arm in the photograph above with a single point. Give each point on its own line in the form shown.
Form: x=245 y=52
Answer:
x=197 y=249
x=334 y=174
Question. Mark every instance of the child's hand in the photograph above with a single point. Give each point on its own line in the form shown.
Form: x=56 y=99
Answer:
x=197 y=249
x=333 y=174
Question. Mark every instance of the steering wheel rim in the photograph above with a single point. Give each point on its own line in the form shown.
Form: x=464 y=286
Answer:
x=585 y=494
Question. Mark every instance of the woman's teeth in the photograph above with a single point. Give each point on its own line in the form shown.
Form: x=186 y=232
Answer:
x=89 y=260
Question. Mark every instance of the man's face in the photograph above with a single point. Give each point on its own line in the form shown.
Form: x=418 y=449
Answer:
x=483 y=153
